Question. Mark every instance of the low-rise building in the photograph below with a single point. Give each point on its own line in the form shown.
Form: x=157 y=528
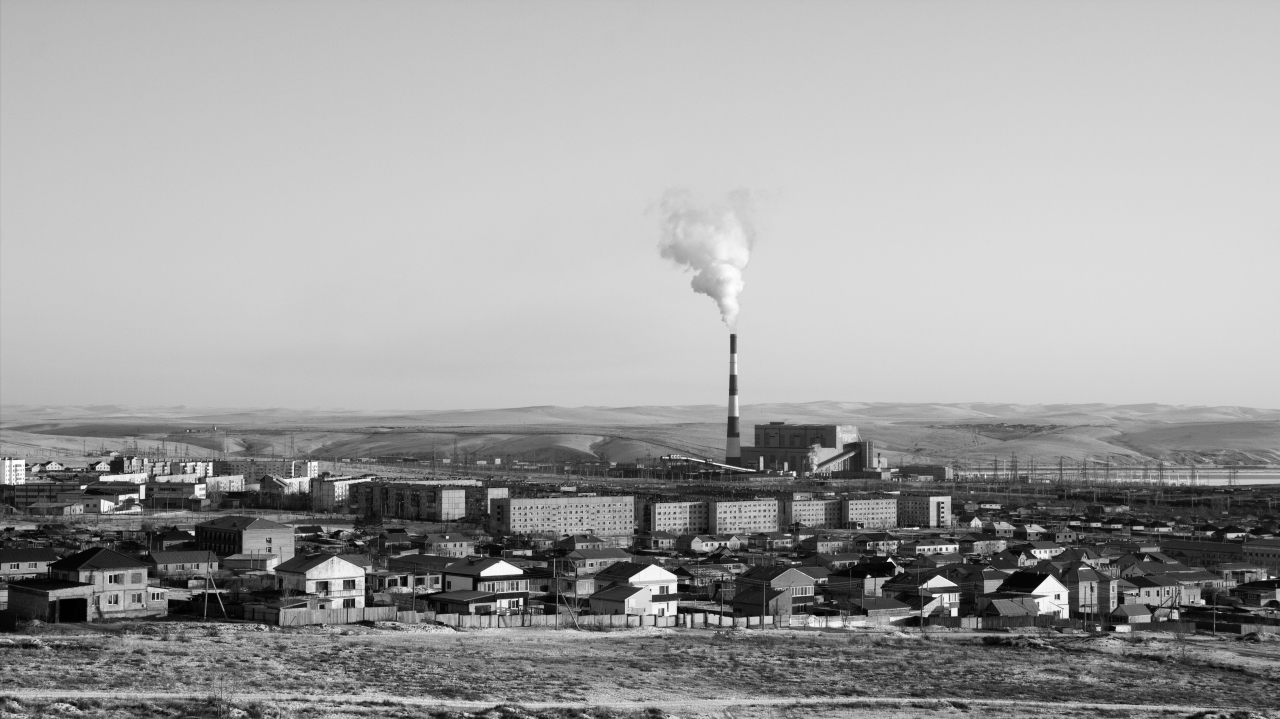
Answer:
x=337 y=582
x=245 y=535
x=182 y=563
x=25 y=563
x=94 y=585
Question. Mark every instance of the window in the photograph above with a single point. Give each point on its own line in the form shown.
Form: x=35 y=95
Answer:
x=349 y=604
x=157 y=596
x=322 y=586
x=136 y=598
x=113 y=600
x=15 y=565
x=115 y=579
x=348 y=584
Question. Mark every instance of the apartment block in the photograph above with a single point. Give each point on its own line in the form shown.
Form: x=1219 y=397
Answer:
x=333 y=494
x=13 y=470
x=750 y=515
x=602 y=516
x=816 y=513
x=255 y=469
x=409 y=500
x=675 y=517
x=870 y=513
x=924 y=511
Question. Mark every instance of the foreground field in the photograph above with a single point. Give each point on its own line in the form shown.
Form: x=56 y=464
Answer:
x=694 y=673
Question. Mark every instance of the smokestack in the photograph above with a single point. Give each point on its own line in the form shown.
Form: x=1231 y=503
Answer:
x=733 y=443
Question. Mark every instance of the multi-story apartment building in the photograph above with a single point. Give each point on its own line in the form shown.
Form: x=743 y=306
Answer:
x=745 y=516
x=409 y=500
x=870 y=513
x=924 y=511
x=225 y=536
x=333 y=494
x=675 y=517
x=816 y=513
x=607 y=516
x=13 y=470
x=255 y=469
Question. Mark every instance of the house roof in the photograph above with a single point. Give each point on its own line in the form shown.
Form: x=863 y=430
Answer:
x=424 y=562
x=618 y=593
x=28 y=555
x=1131 y=610
x=623 y=570
x=599 y=554
x=1024 y=581
x=181 y=557
x=463 y=596
x=872 y=604
x=475 y=566
x=97 y=558
x=305 y=563
x=752 y=597
x=238 y=522
x=1009 y=608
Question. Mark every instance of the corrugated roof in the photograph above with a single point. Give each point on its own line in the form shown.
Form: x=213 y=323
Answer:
x=302 y=564
x=97 y=558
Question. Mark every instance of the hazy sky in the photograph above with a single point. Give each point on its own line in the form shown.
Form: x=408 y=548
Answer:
x=450 y=204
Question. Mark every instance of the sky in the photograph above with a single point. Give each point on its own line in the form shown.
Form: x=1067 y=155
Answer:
x=438 y=205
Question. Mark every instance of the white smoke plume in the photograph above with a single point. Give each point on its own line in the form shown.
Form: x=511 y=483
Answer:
x=713 y=241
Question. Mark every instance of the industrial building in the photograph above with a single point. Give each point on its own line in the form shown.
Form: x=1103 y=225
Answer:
x=409 y=500
x=675 y=517
x=608 y=516
x=924 y=511
x=737 y=516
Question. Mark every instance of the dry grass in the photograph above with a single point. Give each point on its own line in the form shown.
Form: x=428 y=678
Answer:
x=507 y=666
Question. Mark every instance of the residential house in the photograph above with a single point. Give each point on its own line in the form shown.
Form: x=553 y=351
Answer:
x=998 y=529
x=573 y=542
x=969 y=522
x=245 y=535
x=1130 y=614
x=338 y=582
x=625 y=599
x=824 y=544
x=445 y=545
x=182 y=562
x=96 y=584
x=661 y=583
x=763 y=600
x=702 y=581
x=1263 y=593
x=772 y=541
x=925 y=592
x=1028 y=532
x=797 y=583
x=708 y=543
x=861 y=580
x=877 y=608
x=502 y=587
x=1050 y=594
x=590 y=561
x=881 y=543
x=930 y=546
x=982 y=544
x=427 y=570
x=25 y=563
x=656 y=541
x=1038 y=550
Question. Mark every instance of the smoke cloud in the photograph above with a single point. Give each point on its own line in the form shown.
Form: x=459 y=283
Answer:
x=713 y=241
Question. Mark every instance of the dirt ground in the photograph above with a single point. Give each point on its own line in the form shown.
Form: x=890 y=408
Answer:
x=633 y=669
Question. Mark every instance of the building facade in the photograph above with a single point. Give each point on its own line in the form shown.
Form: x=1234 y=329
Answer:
x=924 y=511
x=409 y=500
x=816 y=513
x=225 y=536
x=870 y=513
x=675 y=517
x=743 y=516
x=333 y=494
x=606 y=516
x=255 y=469
x=13 y=470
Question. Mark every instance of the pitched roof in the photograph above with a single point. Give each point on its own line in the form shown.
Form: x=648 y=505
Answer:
x=618 y=593
x=623 y=570
x=599 y=554
x=304 y=563
x=1131 y=610
x=474 y=566
x=1024 y=581
x=181 y=557
x=239 y=522
x=97 y=558
x=28 y=555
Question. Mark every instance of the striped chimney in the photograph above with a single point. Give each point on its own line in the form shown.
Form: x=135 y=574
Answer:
x=733 y=443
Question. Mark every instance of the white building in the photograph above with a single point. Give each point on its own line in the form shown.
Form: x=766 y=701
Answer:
x=333 y=494
x=607 y=516
x=338 y=582
x=14 y=470
x=675 y=517
x=743 y=516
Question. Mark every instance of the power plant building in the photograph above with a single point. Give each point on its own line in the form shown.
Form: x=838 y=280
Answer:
x=608 y=516
x=870 y=513
x=782 y=447
x=739 y=516
x=409 y=500
x=675 y=517
x=924 y=511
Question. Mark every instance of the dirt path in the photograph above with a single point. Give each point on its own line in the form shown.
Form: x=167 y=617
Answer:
x=665 y=704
